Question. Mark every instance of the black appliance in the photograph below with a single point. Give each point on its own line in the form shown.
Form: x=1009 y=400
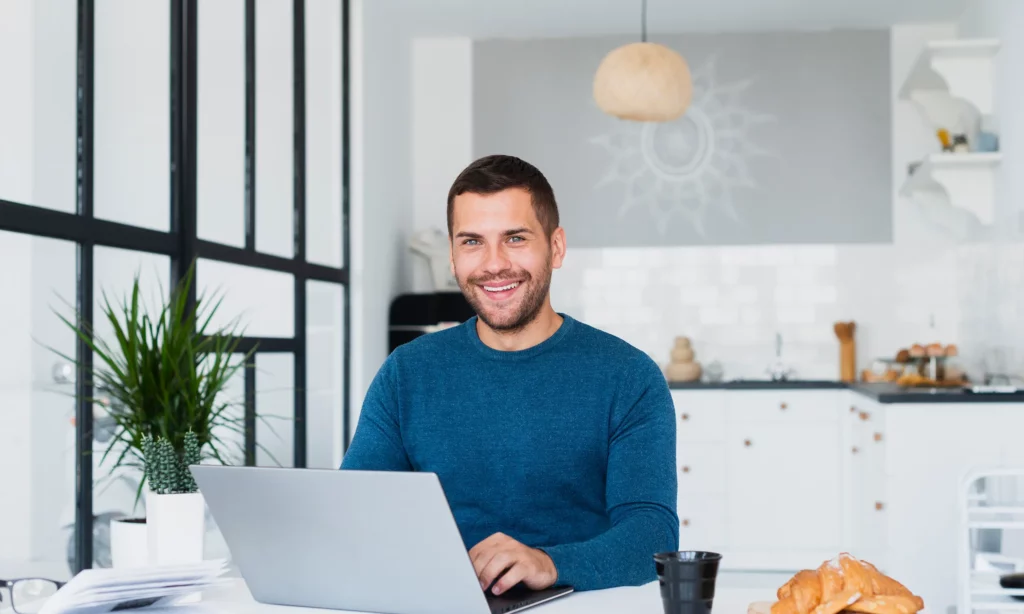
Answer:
x=412 y=315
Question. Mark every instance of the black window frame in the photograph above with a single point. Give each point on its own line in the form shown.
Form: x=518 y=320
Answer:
x=182 y=243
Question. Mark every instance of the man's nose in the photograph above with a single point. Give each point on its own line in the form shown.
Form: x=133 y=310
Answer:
x=497 y=259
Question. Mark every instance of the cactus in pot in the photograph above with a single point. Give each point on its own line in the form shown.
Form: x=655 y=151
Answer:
x=166 y=471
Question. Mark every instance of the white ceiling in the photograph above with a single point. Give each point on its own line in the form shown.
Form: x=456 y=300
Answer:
x=546 y=18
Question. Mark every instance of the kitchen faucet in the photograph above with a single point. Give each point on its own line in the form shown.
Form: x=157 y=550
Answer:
x=778 y=370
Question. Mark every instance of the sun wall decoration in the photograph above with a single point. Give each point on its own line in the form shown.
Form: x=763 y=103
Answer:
x=689 y=165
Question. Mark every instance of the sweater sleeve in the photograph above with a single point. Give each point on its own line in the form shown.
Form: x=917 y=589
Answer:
x=377 y=443
x=640 y=490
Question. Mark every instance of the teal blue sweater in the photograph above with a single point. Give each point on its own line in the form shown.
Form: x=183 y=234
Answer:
x=567 y=446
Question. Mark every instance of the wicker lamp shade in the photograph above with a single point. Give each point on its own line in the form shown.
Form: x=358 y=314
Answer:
x=643 y=82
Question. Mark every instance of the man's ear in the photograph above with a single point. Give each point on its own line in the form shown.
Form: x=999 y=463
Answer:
x=557 y=248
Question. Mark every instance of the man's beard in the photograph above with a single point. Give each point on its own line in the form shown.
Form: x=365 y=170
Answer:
x=534 y=295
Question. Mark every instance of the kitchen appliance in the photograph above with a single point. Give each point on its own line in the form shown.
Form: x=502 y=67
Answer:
x=413 y=315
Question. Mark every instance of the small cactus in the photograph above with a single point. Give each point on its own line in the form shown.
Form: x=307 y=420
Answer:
x=190 y=457
x=167 y=471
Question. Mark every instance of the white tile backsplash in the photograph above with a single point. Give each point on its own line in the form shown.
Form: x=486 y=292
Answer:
x=743 y=294
x=796 y=274
x=722 y=315
x=699 y=295
x=733 y=300
x=795 y=314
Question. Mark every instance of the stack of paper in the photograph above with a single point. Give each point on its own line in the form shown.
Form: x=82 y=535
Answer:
x=106 y=590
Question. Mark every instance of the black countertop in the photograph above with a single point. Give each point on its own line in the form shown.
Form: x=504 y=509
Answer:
x=755 y=384
x=891 y=393
x=882 y=393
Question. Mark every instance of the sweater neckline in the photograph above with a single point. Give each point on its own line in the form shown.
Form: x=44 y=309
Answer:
x=516 y=355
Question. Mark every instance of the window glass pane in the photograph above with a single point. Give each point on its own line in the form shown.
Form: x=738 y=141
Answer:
x=114 y=273
x=220 y=172
x=37 y=408
x=323 y=132
x=275 y=409
x=262 y=301
x=132 y=112
x=231 y=447
x=274 y=142
x=38 y=61
x=324 y=369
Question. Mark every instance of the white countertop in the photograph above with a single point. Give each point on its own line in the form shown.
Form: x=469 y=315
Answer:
x=733 y=593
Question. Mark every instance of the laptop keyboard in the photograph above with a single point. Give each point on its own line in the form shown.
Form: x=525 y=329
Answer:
x=519 y=597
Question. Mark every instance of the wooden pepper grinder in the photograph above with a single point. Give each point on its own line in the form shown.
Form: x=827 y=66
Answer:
x=847 y=351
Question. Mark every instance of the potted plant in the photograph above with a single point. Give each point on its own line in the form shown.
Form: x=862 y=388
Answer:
x=162 y=377
x=174 y=507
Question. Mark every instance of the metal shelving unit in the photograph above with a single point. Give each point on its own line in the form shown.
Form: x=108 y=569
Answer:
x=983 y=508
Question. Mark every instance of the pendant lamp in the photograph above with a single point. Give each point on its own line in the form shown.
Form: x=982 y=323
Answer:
x=643 y=81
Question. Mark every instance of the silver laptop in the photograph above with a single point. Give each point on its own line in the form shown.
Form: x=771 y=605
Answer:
x=366 y=541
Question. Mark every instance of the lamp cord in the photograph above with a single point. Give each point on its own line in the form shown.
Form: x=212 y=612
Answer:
x=643 y=21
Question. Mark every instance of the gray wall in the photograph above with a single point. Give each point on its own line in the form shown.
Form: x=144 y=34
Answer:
x=788 y=139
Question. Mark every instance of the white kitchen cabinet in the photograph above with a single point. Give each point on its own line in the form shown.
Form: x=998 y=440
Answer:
x=784 y=487
x=866 y=504
x=700 y=415
x=783 y=480
x=784 y=406
x=761 y=475
x=929 y=449
x=702 y=468
x=702 y=522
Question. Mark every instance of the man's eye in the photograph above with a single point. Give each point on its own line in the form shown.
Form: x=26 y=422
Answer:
x=515 y=239
x=470 y=242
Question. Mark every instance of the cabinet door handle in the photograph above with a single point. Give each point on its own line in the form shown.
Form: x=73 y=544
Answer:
x=854 y=450
x=879 y=505
x=783 y=406
x=853 y=409
x=684 y=416
x=686 y=469
x=878 y=437
x=686 y=522
x=864 y=415
x=747 y=442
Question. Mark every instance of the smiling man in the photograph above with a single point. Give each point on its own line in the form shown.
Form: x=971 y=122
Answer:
x=554 y=442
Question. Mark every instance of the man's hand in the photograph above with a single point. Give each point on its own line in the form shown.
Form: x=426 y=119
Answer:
x=499 y=553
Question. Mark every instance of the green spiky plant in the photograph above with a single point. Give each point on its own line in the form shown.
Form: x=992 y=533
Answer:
x=167 y=471
x=163 y=374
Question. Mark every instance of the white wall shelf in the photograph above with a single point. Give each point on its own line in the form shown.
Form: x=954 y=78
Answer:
x=966 y=179
x=952 y=69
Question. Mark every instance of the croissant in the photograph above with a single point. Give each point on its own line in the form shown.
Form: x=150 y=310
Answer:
x=845 y=583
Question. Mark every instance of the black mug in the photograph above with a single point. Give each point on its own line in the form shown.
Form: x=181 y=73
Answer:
x=687 y=580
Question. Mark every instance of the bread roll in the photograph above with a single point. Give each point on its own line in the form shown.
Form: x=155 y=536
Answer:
x=844 y=583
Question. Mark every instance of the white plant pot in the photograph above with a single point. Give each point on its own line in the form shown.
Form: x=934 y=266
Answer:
x=175 y=528
x=129 y=543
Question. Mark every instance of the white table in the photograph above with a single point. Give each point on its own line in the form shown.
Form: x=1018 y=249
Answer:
x=733 y=593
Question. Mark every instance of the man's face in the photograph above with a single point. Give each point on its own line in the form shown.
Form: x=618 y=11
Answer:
x=502 y=258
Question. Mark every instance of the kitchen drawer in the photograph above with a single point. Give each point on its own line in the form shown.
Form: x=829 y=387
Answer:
x=701 y=468
x=700 y=415
x=702 y=523
x=785 y=486
x=784 y=405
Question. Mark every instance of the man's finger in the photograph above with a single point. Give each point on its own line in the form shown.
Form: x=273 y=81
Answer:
x=483 y=558
x=499 y=563
x=515 y=574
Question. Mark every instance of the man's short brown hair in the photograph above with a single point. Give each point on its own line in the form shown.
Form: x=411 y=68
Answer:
x=493 y=174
